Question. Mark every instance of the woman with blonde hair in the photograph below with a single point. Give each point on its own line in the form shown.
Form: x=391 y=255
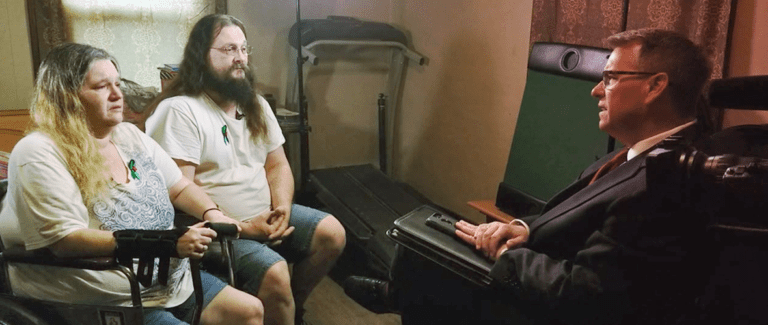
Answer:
x=81 y=176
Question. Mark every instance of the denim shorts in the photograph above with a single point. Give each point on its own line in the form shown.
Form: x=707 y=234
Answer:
x=254 y=258
x=183 y=314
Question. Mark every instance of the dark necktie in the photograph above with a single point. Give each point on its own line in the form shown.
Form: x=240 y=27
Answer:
x=616 y=161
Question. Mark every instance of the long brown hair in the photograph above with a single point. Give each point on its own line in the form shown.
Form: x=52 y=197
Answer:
x=191 y=79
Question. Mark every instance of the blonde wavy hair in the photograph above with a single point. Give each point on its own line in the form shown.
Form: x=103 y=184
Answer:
x=57 y=111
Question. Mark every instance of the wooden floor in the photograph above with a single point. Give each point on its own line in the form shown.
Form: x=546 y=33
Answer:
x=329 y=305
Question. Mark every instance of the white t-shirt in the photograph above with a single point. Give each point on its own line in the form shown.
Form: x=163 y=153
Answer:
x=230 y=165
x=44 y=205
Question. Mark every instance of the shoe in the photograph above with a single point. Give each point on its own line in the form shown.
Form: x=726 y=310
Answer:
x=373 y=294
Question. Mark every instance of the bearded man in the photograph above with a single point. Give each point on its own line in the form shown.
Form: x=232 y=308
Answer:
x=224 y=136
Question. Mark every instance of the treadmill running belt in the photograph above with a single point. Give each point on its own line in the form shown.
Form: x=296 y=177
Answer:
x=367 y=203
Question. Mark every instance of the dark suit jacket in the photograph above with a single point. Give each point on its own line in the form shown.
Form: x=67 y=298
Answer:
x=611 y=252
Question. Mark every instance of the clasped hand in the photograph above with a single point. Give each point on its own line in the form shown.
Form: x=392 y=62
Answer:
x=271 y=226
x=492 y=239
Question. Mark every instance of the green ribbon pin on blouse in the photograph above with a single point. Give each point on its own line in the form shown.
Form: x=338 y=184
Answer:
x=132 y=168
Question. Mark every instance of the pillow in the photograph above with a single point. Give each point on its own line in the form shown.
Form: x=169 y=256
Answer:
x=136 y=99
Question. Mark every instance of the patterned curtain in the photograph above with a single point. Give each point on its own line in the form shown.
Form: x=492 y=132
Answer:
x=142 y=35
x=581 y=22
x=590 y=22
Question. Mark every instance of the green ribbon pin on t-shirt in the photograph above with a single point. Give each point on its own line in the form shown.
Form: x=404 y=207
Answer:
x=224 y=133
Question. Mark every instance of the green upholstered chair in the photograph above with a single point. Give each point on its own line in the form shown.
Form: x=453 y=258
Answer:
x=557 y=133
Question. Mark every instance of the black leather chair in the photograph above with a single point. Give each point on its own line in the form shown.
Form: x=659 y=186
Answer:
x=735 y=293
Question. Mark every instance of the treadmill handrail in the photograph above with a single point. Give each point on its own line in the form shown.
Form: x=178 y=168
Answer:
x=408 y=52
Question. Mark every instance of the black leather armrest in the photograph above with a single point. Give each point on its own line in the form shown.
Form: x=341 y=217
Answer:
x=45 y=257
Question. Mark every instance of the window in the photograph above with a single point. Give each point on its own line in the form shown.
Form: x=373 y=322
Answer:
x=141 y=34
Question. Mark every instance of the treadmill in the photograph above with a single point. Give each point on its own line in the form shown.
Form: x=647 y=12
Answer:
x=362 y=197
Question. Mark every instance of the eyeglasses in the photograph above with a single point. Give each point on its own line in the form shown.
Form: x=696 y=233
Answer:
x=609 y=75
x=232 y=50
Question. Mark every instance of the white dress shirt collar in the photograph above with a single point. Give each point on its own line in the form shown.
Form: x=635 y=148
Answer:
x=646 y=144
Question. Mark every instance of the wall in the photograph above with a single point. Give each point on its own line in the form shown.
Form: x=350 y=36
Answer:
x=749 y=54
x=459 y=111
x=15 y=57
x=16 y=71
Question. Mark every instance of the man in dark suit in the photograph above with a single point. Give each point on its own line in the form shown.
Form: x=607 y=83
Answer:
x=606 y=249
x=611 y=248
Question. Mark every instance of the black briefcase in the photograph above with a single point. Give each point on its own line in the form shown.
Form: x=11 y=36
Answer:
x=412 y=232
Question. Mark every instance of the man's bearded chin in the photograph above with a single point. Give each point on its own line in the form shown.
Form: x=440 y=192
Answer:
x=239 y=90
